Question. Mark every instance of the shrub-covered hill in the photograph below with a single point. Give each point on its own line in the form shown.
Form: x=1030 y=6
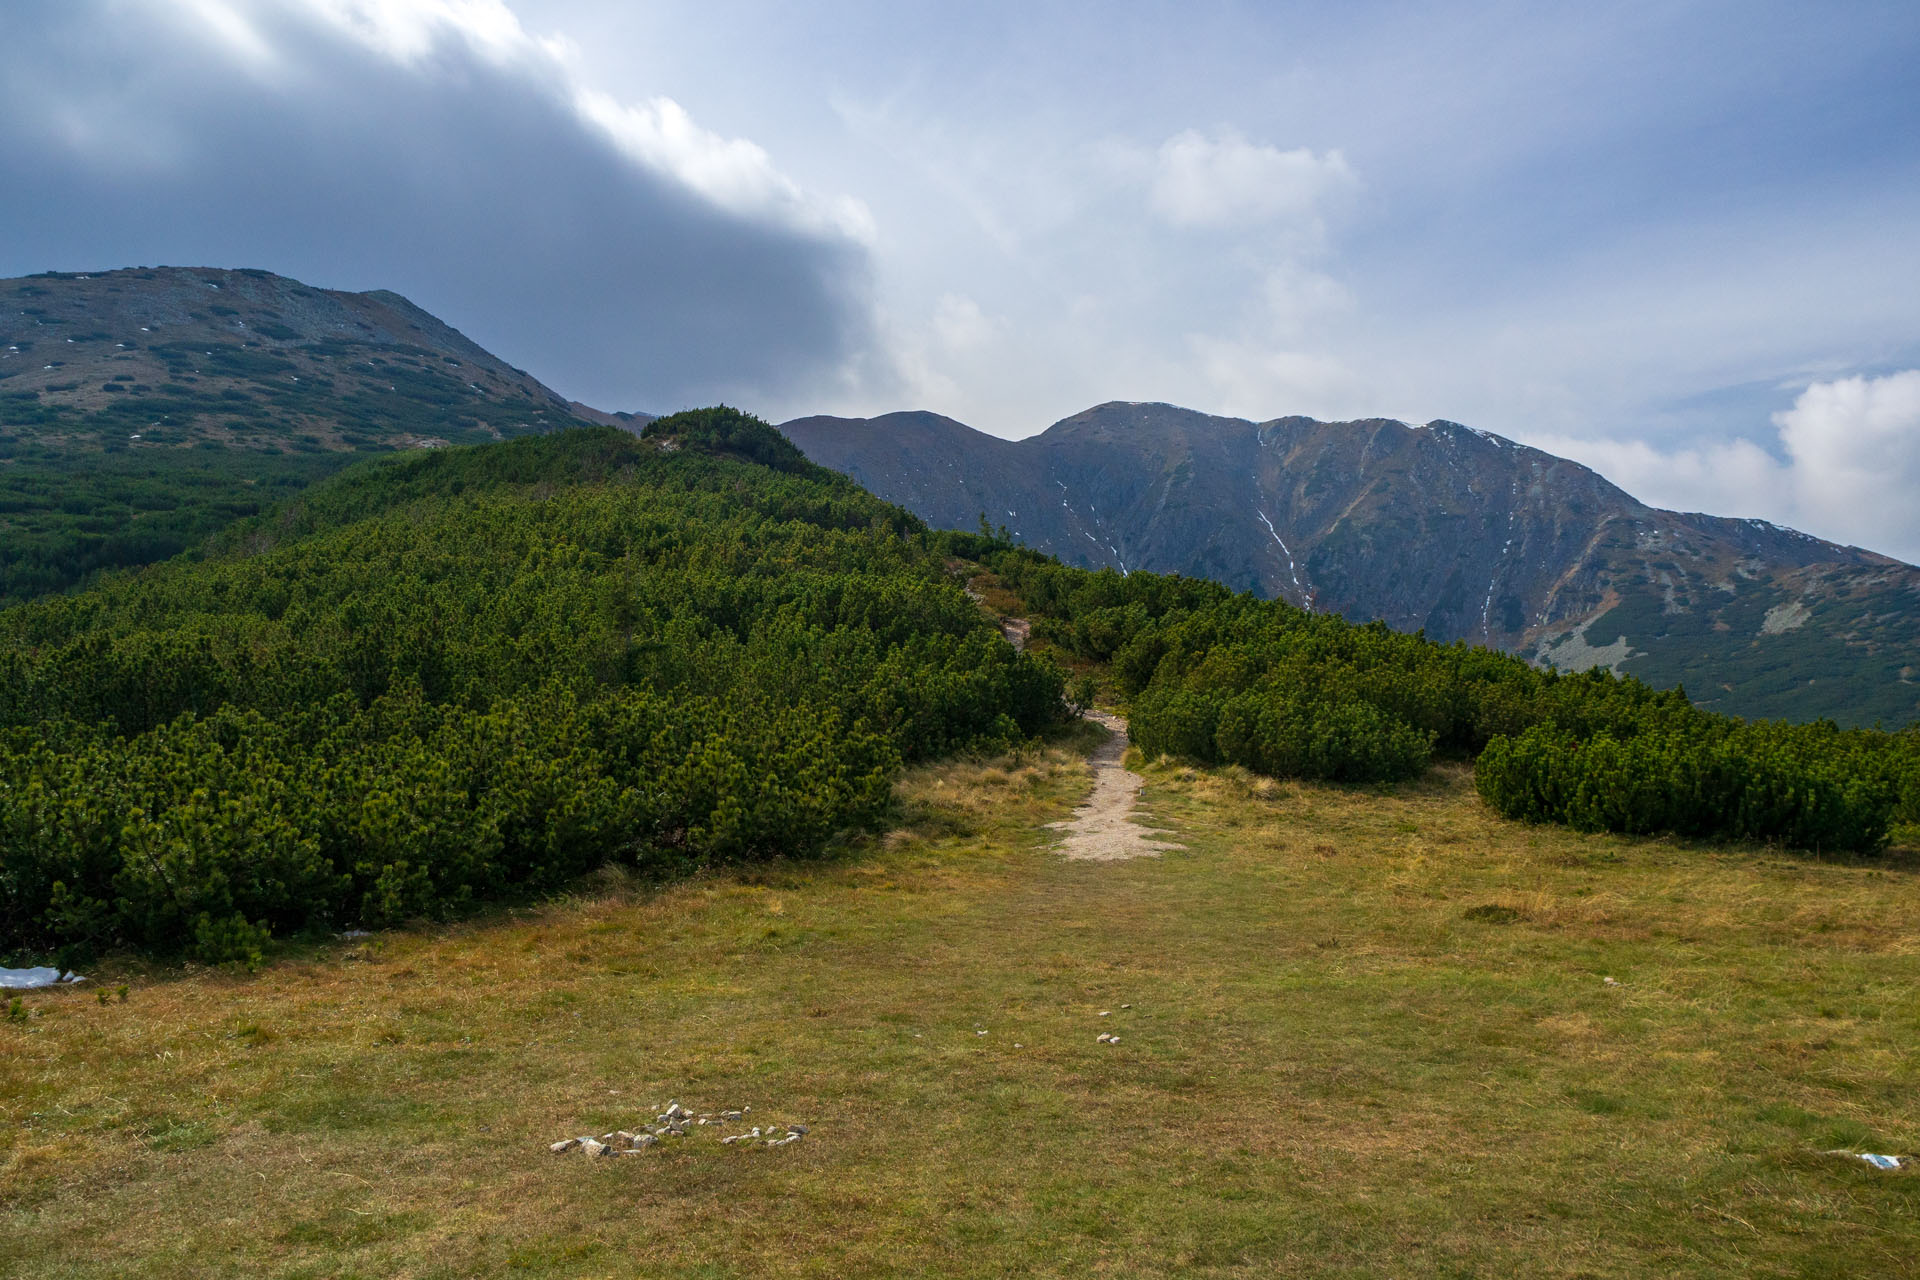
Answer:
x=446 y=678
x=1219 y=678
x=455 y=676
x=142 y=409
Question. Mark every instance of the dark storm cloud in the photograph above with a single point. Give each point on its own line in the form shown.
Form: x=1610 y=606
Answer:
x=460 y=170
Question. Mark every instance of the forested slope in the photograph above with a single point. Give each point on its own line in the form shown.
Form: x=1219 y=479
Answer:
x=1219 y=678
x=473 y=674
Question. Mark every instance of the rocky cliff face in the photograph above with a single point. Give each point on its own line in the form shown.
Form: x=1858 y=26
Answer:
x=1442 y=527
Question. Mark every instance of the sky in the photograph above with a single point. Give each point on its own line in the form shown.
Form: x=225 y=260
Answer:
x=1675 y=241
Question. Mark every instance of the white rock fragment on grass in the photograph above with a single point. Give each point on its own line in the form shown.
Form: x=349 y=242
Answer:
x=1102 y=1038
x=1878 y=1161
x=1126 y=1006
x=1609 y=982
x=1106 y=1013
x=676 y=1121
x=979 y=1033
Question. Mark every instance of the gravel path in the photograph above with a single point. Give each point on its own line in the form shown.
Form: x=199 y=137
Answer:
x=1102 y=829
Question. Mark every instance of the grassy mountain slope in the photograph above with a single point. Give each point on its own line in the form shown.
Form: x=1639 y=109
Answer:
x=142 y=409
x=1443 y=528
x=1363 y=1033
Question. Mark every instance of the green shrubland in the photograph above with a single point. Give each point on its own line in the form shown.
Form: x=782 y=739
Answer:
x=440 y=680
x=473 y=674
x=1217 y=678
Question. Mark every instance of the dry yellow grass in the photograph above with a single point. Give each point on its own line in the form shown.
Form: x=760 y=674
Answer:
x=1327 y=1068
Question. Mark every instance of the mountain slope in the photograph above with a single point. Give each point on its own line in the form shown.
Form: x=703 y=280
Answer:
x=142 y=409
x=1442 y=527
x=176 y=354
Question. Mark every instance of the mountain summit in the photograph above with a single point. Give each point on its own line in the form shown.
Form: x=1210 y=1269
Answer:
x=1439 y=527
x=247 y=358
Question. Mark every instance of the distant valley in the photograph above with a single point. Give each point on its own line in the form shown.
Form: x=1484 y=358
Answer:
x=1438 y=527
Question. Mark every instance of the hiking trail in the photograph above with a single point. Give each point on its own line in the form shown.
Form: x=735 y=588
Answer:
x=1102 y=829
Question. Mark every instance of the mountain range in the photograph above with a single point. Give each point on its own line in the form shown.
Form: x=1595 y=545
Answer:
x=1437 y=527
x=143 y=408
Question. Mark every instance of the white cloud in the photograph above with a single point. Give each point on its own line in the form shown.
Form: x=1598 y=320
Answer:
x=614 y=246
x=1204 y=182
x=1297 y=297
x=1855 y=446
x=960 y=325
x=409 y=31
x=1850 y=474
x=733 y=173
x=1735 y=477
x=1255 y=381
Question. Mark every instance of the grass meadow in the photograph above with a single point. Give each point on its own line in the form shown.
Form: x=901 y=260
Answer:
x=1362 y=1032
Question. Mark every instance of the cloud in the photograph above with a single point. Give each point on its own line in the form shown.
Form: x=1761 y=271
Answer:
x=617 y=249
x=1252 y=380
x=960 y=325
x=1847 y=467
x=1855 y=447
x=1735 y=477
x=1228 y=182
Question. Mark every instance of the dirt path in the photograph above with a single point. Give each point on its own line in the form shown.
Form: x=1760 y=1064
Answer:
x=1102 y=829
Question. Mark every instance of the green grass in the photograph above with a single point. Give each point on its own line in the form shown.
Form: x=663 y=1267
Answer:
x=1337 y=1062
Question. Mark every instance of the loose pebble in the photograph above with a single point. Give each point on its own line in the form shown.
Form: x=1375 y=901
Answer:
x=676 y=1121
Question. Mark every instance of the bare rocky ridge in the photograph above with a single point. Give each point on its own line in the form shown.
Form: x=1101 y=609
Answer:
x=1439 y=527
